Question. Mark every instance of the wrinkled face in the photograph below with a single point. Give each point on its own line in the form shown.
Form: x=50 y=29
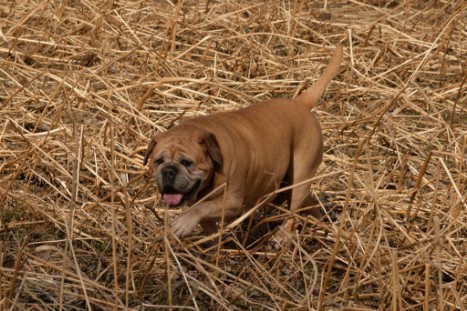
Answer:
x=182 y=164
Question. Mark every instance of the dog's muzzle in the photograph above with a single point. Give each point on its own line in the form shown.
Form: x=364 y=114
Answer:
x=170 y=195
x=173 y=194
x=168 y=175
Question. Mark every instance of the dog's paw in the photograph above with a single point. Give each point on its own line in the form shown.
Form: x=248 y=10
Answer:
x=184 y=225
x=278 y=241
x=282 y=236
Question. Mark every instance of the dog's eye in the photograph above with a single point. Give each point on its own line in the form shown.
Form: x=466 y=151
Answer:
x=186 y=162
x=159 y=161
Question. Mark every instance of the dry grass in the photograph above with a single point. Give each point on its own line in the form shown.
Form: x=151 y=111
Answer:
x=84 y=84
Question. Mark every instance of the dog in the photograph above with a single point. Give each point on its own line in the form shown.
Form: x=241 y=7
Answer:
x=252 y=151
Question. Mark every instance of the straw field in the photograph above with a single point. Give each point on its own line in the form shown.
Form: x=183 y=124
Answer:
x=85 y=84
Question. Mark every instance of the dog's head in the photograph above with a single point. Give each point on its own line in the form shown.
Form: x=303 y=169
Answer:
x=183 y=161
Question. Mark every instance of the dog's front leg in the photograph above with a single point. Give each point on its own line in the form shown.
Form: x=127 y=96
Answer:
x=204 y=213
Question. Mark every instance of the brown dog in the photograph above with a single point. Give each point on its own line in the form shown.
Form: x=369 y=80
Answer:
x=253 y=151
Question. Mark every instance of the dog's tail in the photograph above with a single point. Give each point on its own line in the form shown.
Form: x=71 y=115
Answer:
x=311 y=96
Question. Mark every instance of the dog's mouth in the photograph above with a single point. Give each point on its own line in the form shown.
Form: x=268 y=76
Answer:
x=172 y=197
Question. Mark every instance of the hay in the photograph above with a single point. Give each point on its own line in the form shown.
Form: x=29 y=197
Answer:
x=85 y=84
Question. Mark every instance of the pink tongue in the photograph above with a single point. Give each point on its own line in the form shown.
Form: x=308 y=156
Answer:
x=172 y=199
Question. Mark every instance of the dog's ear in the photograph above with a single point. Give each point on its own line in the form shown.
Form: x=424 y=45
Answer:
x=213 y=149
x=151 y=146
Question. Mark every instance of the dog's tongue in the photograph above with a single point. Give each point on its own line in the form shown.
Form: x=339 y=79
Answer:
x=172 y=199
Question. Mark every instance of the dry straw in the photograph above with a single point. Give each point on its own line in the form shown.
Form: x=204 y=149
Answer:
x=84 y=84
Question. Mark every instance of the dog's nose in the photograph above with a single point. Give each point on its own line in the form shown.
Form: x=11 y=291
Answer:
x=168 y=174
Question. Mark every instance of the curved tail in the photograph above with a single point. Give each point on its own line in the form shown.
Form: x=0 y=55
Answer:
x=312 y=95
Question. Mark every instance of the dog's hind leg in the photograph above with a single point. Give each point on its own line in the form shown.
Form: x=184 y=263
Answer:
x=303 y=167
